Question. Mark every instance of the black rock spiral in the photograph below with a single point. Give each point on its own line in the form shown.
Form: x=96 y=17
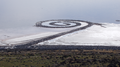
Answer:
x=52 y=24
x=58 y=23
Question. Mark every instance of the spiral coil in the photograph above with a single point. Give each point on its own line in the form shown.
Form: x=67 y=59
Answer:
x=58 y=23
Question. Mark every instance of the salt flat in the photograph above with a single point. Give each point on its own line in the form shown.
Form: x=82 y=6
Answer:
x=92 y=36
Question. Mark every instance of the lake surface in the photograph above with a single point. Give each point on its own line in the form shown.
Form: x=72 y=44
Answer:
x=25 y=13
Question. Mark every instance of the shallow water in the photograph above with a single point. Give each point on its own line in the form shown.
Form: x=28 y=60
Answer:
x=25 y=13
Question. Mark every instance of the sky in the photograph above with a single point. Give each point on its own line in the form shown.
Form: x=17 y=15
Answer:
x=25 y=13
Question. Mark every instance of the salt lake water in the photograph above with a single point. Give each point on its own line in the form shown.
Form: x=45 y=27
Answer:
x=25 y=13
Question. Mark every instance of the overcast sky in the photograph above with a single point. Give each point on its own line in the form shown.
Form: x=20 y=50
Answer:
x=17 y=13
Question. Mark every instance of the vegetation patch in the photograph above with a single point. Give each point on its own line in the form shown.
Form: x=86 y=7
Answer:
x=60 y=58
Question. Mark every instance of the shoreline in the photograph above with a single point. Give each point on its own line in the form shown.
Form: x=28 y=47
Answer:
x=59 y=47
